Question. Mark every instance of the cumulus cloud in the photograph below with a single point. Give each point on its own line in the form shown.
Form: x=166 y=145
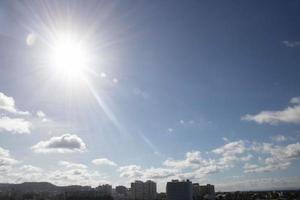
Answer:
x=193 y=167
x=15 y=125
x=278 y=157
x=76 y=177
x=103 y=161
x=8 y=104
x=270 y=157
x=192 y=160
x=66 y=143
x=67 y=173
x=291 y=114
x=291 y=44
x=131 y=171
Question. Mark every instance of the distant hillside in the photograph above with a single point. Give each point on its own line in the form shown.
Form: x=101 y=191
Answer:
x=40 y=187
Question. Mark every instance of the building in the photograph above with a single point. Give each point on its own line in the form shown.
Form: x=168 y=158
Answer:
x=149 y=190
x=137 y=190
x=105 y=190
x=207 y=191
x=121 y=190
x=143 y=190
x=196 y=191
x=179 y=190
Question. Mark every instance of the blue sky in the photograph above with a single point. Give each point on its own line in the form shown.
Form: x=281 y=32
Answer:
x=205 y=90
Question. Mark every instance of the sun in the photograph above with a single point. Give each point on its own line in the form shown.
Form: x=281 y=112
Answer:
x=69 y=57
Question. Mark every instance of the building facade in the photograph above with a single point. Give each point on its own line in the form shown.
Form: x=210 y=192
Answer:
x=149 y=190
x=207 y=190
x=143 y=190
x=179 y=190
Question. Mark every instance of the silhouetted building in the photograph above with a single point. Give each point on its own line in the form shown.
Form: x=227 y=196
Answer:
x=105 y=189
x=179 y=190
x=207 y=191
x=149 y=190
x=137 y=190
x=121 y=190
x=196 y=191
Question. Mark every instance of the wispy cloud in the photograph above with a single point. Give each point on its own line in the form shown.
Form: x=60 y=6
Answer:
x=279 y=138
x=103 y=161
x=291 y=44
x=72 y=165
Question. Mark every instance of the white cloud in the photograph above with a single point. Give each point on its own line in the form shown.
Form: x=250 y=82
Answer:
x=279 y=157
x=291 y=114
x=66 y=143
x=15 y=125
x=194 y=166
x=137 y=172
x=131 y=171
x=8 y=104
x=30 y=169
x=72 y=165
x=231 y=148
x=103 y=161
x=192 y=159
x=279 y=138
x=253 y=168
x=6 y=160
x=159 y=173
x=291 y=44
x=295 y=100
x=76 y=177
x=280 y=153
x=40 y=114
x=67 y=173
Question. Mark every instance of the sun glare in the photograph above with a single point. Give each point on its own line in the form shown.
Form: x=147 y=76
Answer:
x=69 y=57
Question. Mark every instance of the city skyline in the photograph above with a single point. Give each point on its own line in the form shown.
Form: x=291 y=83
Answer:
x=115 y=91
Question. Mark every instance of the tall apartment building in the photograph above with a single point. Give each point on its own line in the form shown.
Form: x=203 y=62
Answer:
x=143 y=191
x=137 y=190
x=149 y=190
x=179 y=190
